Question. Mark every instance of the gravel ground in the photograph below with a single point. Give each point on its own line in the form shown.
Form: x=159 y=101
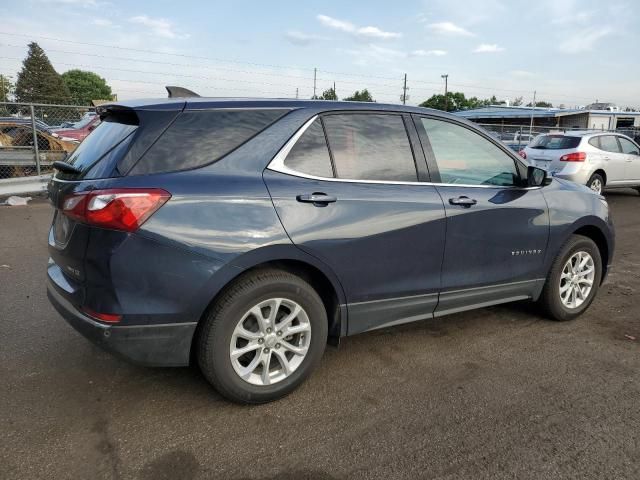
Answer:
x=495 y=393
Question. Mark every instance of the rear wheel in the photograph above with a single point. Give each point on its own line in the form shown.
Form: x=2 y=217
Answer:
x=596 y=183
x=574 y=279
x=263 y=337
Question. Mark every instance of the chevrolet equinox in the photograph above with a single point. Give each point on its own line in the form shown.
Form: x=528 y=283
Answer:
x=245 y=235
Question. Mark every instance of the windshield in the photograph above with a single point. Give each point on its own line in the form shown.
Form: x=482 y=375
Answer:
x=83 y=122
x=105 y=138
x=555 y=142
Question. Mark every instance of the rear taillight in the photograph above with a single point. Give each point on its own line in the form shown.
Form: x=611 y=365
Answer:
x=523 y=154
x=119 y=209
x=574 y=157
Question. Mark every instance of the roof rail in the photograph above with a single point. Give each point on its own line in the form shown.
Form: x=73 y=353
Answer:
x=180 y=92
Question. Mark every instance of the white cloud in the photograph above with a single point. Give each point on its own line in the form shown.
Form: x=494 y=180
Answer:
x=427 y=53
x=104 y=22
x=158 y=26
x=348 y=27
x=584 y=40
x=521 y=73
x=488 y=48
x=449 y=28
x=301 y=38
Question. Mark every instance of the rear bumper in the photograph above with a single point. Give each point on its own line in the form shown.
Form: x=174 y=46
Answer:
x=167 y=345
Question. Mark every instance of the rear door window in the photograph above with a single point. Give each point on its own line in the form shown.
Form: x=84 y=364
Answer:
x=609 y=143
x=464 y=157
x=197 y=138
x=370 y=146
x=310 y=154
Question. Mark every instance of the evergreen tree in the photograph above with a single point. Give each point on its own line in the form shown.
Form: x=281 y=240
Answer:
x=38 y=81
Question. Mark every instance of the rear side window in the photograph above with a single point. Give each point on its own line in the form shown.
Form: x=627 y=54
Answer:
x=464 y=157
x=310 y=154
x=555 y=142
x=96 y=148
x=628 y=146
x=370 y=147
x=608 y=143
x=197 y=138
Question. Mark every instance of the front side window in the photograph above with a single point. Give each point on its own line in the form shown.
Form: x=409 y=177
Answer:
x=310 y=154
x=370 y=146
x=608 y=143
x=628 y=146
x=464 y=157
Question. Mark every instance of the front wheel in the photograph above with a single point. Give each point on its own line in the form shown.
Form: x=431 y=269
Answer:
x=596 y=183
x=574 y=279
x=263 y=337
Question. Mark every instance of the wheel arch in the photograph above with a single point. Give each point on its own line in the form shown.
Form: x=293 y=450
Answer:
x=594 y=233
x=293 y=260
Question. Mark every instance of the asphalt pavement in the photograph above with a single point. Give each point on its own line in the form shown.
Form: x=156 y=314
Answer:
x=494 y=393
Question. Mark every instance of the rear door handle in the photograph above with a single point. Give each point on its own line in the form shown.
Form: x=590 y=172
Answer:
x=463 y=201
x=317 y=198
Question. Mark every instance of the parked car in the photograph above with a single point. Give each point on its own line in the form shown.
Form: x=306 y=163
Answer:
x=80 y=129
x=597 y=160
x=245 y=234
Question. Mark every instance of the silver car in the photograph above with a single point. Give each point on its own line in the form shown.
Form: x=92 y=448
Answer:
x=597 y=160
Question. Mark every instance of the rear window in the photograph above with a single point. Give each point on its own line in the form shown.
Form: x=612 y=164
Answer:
x=555 y=142
x=197 y=138
x=96 y=148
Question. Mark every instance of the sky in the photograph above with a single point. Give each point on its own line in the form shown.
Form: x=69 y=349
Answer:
x=570 y=52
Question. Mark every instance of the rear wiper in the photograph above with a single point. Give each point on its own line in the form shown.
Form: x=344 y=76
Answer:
x=66 y=167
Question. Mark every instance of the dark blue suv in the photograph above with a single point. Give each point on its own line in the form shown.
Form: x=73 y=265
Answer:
x=246 y=234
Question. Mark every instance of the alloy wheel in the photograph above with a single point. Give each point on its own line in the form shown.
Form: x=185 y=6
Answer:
x=576 y=279
x=596 y=185
x=270 y=341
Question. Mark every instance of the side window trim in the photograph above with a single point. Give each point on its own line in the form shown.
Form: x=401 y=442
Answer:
x=424 y=138
x=326 y=140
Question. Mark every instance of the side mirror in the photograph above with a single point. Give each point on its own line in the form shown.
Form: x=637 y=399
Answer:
x=537 y=177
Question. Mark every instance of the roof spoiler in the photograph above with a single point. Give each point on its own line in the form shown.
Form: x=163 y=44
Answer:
x=180 y=92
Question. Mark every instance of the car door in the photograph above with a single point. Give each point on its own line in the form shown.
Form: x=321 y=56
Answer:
x=497 y=230
x=613 y=160
x=631 y=151
x=362 y=208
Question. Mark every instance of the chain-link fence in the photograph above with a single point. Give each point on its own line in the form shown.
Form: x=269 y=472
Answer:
x=34 y=135
x=517 y=137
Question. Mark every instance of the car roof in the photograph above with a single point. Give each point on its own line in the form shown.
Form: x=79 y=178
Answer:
x=201 y=103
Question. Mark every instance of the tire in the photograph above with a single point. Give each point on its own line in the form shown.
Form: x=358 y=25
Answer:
x=596 y=183
x=551 y=299
x=272 y=291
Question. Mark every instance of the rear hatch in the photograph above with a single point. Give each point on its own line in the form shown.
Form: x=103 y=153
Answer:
x=546 y=150
x=104 y=156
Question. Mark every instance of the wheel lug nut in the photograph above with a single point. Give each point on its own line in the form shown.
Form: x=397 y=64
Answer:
x=269 y=330
x=266 y=350
x=279 y=333
x=261 y=341
x=277 y=345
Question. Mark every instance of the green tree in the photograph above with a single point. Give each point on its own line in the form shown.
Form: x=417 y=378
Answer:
x=517 y=102
x=360 y=96
x=86 y=86
x=328 y=94
x=38 y=81
x=541 y=104
x=5 y=88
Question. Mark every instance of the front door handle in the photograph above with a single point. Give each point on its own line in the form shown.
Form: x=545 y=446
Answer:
x=463 y=201
x=318 y=199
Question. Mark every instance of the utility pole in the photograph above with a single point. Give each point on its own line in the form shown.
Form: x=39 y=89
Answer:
x=296 y=93
x=334 y=90
x=315 y=72
x=404 y=90
x=446 y=85
x=532 y=111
